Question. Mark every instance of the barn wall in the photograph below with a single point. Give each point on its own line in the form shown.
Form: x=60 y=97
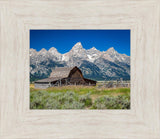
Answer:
x=90 y=82
x=41 y=85
x=76 y=78
x=59 y=82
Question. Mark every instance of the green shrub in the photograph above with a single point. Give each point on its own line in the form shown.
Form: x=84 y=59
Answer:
x=107 y=102
x=86 y=99
x=71 y=100
x=68 y=100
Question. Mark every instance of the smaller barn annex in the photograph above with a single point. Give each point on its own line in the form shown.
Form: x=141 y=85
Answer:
x=61 y=76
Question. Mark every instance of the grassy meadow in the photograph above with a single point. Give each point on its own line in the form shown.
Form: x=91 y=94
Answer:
x=79 y=97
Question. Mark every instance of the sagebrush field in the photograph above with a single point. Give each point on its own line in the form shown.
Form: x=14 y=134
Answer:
x=79 y=97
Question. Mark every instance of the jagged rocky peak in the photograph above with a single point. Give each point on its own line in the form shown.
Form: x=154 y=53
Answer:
x=78 y=45
x=53 y=50
x=111 y=49
x=33 y=50
x=43 y=50
x=78 y=50
x=93 y=54
x=93 y=48
x=125 y=55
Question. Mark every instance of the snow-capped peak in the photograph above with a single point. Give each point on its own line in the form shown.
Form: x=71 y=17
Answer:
x=43 y=50
x=93 y=54
x=93 y=48
x=52 y=50
x=33 y=50
x=78 y=45
x=111 y=49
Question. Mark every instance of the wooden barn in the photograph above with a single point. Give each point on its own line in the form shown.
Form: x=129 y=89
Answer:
x=61 y=76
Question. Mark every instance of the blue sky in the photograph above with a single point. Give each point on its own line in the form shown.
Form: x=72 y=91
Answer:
x=64 y=40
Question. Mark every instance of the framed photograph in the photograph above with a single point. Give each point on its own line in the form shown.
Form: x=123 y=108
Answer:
x=79 y=69
x=74 y=75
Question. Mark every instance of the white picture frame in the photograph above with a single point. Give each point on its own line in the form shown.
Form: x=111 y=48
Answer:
x=18 y=17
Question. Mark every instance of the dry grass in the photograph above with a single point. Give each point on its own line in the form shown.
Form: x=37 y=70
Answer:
x=93 y=90
x=31 y=85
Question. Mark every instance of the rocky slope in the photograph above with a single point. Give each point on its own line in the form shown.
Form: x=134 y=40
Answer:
x=94 y=64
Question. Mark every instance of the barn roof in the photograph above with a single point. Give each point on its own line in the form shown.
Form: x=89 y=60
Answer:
x=62 y=72
x=57 y=73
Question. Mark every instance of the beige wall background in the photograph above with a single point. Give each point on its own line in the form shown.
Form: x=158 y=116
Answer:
x=17 y=17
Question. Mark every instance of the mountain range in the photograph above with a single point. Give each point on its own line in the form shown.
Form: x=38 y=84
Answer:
x=94 y=64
